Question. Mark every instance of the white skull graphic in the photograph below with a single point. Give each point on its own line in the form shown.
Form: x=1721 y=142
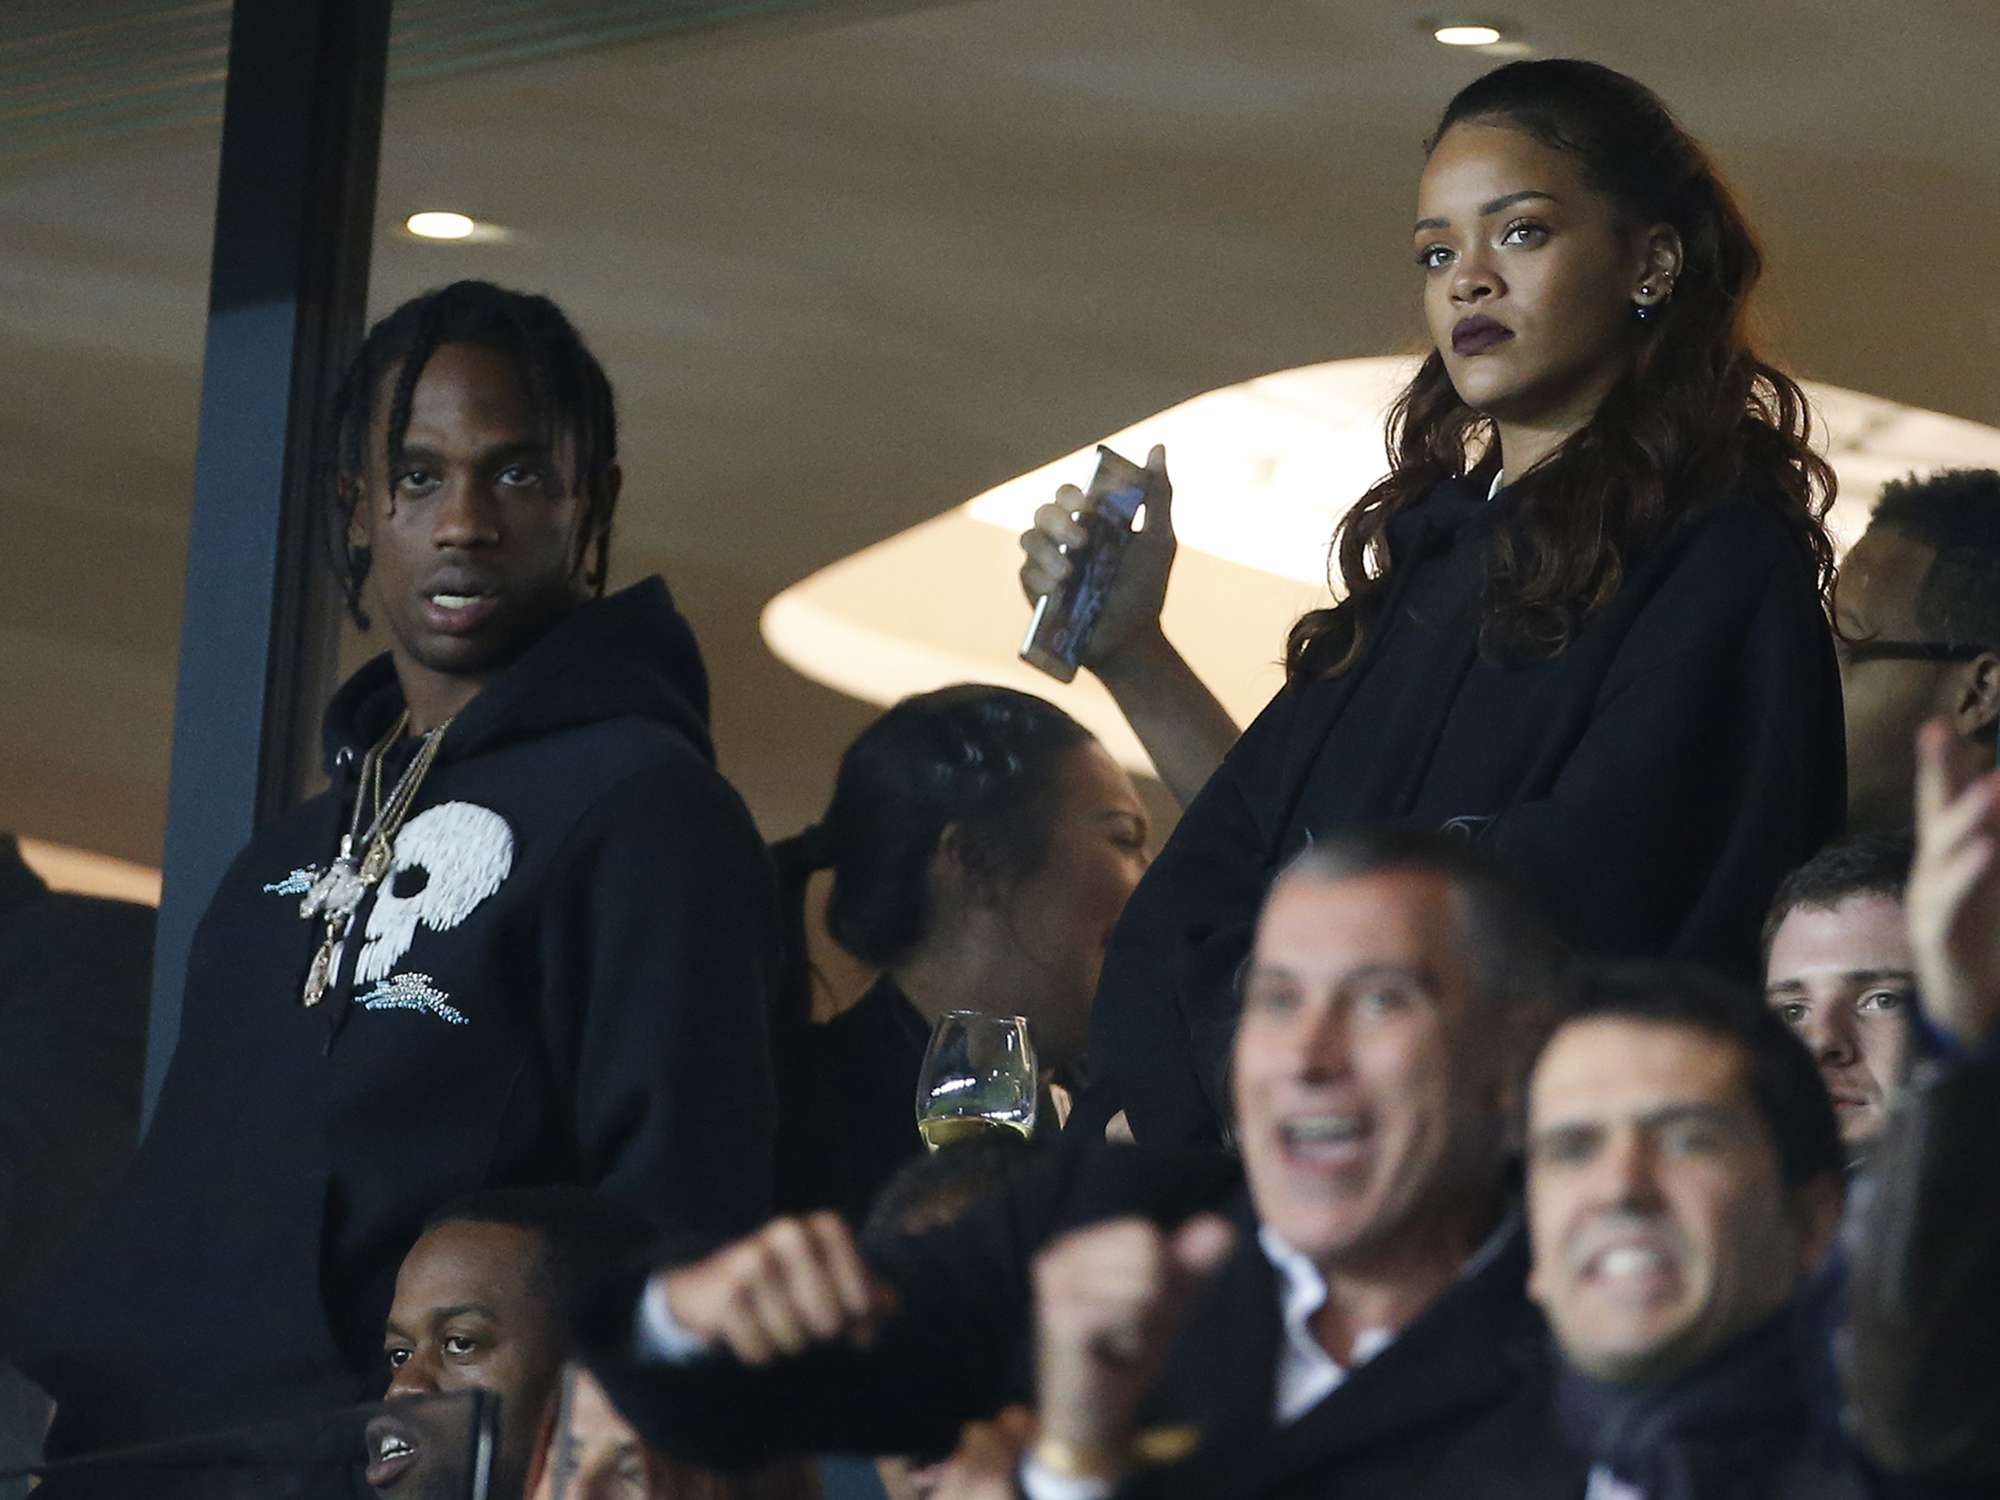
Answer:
x=446 y=861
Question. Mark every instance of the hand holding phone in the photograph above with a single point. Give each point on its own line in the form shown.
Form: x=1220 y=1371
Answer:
x=1097 y=581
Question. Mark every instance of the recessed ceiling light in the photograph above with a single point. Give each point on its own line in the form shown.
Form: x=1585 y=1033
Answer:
x=1467 y=36
x=439 y=226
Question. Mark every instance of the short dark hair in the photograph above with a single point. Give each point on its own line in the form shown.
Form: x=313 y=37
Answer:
x=1866 y=864
x=1785 y=1083
x=1516 y=961
x=585 y=1234
x=567 y=386
x=1955 y=512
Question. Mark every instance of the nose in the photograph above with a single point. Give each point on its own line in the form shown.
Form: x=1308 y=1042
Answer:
x=1626 y=1178
x=1829 y=1032
x=1473 y=277
x=416 y=1376
x=467 y=514
x=1321 y=1042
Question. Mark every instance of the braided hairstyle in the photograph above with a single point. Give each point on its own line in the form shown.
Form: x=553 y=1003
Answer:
x=566 y=387
x=982 y=759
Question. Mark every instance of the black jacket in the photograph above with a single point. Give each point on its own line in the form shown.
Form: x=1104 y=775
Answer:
x=1746 y=1424
x=850 y=1110
x=1925 y=1282
x=1651 y=784
x=959 y=1347
x=564 y=980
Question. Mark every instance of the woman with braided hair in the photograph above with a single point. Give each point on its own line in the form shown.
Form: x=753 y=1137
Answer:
x=982 y=845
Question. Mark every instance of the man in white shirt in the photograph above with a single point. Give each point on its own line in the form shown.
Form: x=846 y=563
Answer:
x=1340 y=1308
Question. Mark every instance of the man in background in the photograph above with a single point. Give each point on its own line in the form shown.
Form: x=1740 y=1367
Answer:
x=1917 y=610
x=1838 y=971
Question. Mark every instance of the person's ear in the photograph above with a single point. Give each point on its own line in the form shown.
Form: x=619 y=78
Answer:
x=1659 y=267
x=1975 y=707
x=1817 y=1207
x=964 y=873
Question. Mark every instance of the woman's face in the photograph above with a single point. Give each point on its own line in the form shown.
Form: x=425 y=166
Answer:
x=1529 y=279
x=1062 y=914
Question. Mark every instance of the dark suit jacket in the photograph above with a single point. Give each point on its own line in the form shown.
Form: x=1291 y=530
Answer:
x=1920 y=1366
x=959 y=1346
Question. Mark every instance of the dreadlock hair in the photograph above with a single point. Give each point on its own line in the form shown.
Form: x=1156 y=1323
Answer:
x=566 y=387
x=1696 y=415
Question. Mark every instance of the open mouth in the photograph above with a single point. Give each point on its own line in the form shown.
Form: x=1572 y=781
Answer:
x=392 y=1452
x=459 y=608
x=1639 y=1269
x=1326 y=1140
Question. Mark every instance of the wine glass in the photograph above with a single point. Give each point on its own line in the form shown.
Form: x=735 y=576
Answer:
x=978 y=1075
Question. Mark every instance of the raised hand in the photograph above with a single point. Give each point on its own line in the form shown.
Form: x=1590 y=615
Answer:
x=1131 y=616
x=1108 y=1299
x=1953 y=900
x=793 y=1284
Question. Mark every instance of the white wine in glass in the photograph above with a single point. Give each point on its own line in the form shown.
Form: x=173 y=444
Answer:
x=978 y=1075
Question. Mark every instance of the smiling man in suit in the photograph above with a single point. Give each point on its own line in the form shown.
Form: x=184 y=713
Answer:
x=1332 y=1308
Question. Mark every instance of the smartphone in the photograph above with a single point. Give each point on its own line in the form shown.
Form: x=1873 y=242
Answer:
x=1060 y=631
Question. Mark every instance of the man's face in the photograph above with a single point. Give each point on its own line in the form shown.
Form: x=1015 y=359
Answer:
x=1366 y=1104
x=1661 y=1226
x=471 y=1312
x=474 y=526
x=1841 y=977
x=1886 y=699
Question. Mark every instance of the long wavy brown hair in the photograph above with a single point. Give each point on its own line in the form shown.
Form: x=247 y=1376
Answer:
x=1697 y=415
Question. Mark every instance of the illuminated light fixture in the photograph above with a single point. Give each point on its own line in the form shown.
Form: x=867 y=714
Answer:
x=1263 y=471
x=439 y=225
x=1467 y=36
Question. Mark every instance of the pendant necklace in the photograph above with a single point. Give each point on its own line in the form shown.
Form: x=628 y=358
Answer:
x=335 y=892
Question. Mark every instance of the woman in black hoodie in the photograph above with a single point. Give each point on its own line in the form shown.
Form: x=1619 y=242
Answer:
x=1581 y=618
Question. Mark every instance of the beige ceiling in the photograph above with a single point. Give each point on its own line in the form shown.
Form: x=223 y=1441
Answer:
x=846 y=276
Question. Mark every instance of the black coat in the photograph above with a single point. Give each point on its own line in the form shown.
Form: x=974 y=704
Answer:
x=565 y=980
x=1651 y=784
x=958 y=1349
x=1925 y=1282
x=849 y=1117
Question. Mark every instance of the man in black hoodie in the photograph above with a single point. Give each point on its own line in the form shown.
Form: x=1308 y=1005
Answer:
x=523 y=939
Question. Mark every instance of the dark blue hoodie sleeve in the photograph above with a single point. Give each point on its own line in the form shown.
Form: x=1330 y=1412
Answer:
x=657 y=957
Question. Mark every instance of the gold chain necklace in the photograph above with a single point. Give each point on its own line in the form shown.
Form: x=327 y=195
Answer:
x=336 y=892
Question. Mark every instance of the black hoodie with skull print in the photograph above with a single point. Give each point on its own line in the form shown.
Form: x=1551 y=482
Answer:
x=562 y=978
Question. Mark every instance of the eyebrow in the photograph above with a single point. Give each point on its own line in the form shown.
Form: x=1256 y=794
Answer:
x=526 y=447
x=1491 y=206
x=1854 y=976
x=1653 y=1119
x=460 y=1309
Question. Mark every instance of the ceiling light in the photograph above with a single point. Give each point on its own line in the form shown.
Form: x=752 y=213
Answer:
x=435 y=225
x=1467 y=36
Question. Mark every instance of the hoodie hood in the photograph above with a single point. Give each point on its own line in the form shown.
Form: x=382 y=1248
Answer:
x=632 y=654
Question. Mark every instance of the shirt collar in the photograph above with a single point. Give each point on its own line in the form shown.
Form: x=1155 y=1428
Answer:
x=1499 y=483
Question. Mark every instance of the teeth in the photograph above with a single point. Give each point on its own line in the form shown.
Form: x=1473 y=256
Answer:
x=393 y=1447
x=1315 y=1128
x=1630 y=1260
x=456 y=601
